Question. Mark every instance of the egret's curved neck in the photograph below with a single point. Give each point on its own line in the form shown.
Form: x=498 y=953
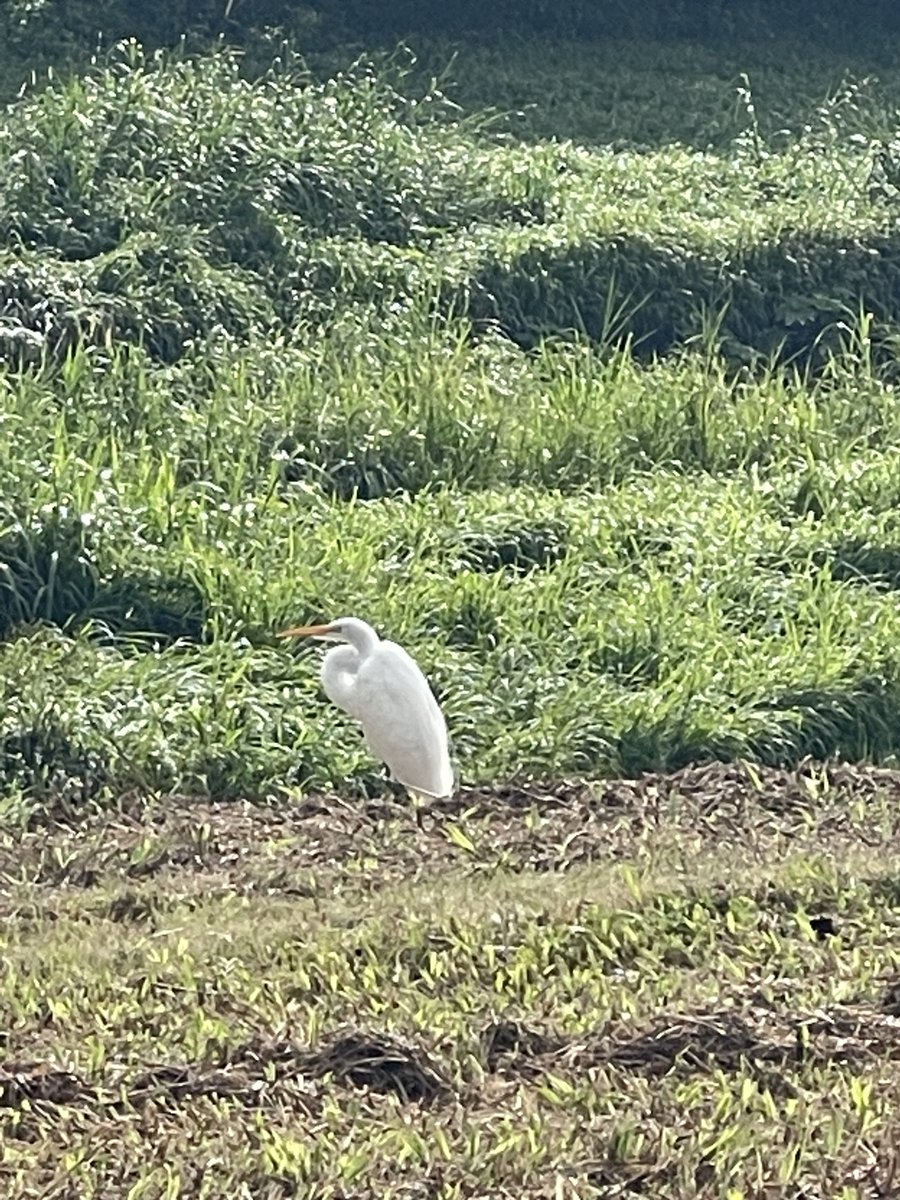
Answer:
x=359 y=635
x=342 y=663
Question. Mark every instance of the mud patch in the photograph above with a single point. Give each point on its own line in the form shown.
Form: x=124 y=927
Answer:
x=29 y=1083
x=376 y=1062
x=382 y=1064
x=693 y=1043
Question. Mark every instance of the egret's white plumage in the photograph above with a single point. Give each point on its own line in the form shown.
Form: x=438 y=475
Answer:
x=381 y=686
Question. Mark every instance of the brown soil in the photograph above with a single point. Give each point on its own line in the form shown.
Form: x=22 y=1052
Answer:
x=230 y=845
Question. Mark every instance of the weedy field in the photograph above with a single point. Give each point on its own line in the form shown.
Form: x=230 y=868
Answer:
x=593 y=406
x=681 y=986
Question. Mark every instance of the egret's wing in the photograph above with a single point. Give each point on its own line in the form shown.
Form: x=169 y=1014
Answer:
x=403 y=724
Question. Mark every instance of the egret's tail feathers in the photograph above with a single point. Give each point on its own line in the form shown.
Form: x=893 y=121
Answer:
x=424 y=793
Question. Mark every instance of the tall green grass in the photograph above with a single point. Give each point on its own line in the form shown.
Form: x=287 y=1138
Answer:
x=279 y=348
x=599 y=571
x=172 y=200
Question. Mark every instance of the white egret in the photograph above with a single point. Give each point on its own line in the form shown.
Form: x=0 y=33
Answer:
x=382 y=687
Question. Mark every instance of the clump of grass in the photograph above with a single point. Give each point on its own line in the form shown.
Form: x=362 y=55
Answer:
x=174 y=201
x=197 y=202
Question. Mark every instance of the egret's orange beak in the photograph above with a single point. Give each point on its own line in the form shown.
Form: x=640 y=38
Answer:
x=308 y=631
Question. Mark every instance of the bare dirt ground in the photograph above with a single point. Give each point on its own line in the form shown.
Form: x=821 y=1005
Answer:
x=326 y=844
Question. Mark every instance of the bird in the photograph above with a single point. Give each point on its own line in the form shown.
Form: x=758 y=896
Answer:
x=377 y=683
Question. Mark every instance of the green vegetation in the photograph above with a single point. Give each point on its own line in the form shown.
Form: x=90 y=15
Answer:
x=593 y=406
x=284 y=348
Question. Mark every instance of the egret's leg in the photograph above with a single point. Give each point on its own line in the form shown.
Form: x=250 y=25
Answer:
x=418 y=807
x=400 y=792
x=395 y=790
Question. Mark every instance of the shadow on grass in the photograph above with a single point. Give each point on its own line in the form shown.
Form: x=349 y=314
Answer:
x=58 y=774
x=517 y=548
x=51 y=573
x=857 y=561
x=781 y=299
x=858 y=722
x=662 y=747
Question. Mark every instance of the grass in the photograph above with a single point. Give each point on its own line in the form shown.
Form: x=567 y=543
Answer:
x=673 y=987
x=628 y=93
x=243 y=389
x=603 y=566
x=594 y=408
